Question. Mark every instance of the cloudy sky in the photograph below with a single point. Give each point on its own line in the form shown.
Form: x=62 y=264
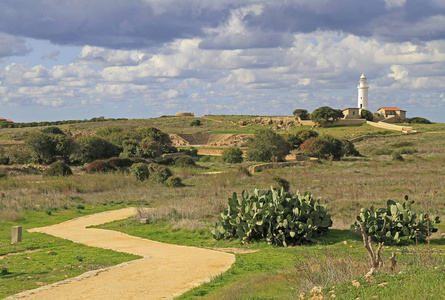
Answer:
x=65 y=59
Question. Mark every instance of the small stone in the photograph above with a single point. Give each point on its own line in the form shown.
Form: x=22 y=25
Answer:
x=383 y=284
x=302 y=295
x=333 y=296
x=51 y=252
x=316 y=290
x=345 y=242
x=356 y=283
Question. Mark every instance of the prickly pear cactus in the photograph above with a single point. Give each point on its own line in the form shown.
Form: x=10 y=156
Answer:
x=395 y=221
x=278 y=217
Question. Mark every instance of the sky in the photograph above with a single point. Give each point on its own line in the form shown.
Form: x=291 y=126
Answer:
x=75 y=60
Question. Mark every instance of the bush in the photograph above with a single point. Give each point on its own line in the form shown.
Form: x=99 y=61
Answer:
x=162 y=139
x=348 y=148
x=366 y=114
x=195 y=123
x=419 y=120
x=108 y=131
x=53 y=130
x=281 y=183
x=232 y=155
x=99 y=166
x=4 y=160
x=158 y=173
x=46 y=147
x=190 y=152
x=279 y=217
x=395 y=155
x=140 y=171
x=120 y=162
x=395 y=221
x=173 y=182
x=184 y=162
x=322 y=147
x=93 y=147
x=58 y=168
x=302 y=113
x=295 y=140
x=325 y=114
x=267 y=146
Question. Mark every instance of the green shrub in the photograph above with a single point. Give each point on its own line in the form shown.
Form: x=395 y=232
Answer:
x=173 y=181
x=366 y=114
x=395 y=155
x=184 y=162
x=190 y=152
x=120 y=162
x=279 y=217
x=4 y=160
x=99 y=166
x=419 y=120
x=53 y=130
x=93 y=147
x=348 y=148
x=206 y=158
x=107 y=131
x=58 y=168
x=243 y=170
x=47 y=147
x=195 y=123
x=395 y=221
x=232 y=155
x=267 y=146
x=322 y=147
x=295 y=140
x=281 y=183
x=158 y=173
x=140 y=171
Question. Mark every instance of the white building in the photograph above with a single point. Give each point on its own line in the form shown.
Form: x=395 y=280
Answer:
x=363 y=94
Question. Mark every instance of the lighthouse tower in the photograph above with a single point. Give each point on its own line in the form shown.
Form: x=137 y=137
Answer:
x=363 y=94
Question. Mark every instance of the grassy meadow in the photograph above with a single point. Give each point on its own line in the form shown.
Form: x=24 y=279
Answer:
x=185 y=214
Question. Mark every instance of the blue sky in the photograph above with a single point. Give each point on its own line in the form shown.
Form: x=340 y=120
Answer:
x=80 y=59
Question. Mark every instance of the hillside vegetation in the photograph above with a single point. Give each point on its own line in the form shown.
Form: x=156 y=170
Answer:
x=186 y=214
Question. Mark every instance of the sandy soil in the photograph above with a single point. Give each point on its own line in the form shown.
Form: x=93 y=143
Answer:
x=165 y=271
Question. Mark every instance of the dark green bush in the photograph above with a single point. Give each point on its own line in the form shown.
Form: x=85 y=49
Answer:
x=173 y=181
x=275 y=215
x=158 y=173
x=366 y=114
x=232 y=155
x=140 y=171
x=58 y=168
x=243 y=170
x=99 y=166
x=93 y=147
x=267 y=146
x=195 y=123
x=108 y=131
x=395 y=155
x=190 y=152
x=396 y=220
x=281 y=183
x=53 y=130
x=348 y=148
x=120 y=163
x=322 y=147
x=47 y=147
x=184 y=162
x=4 y=160
x=419 y=120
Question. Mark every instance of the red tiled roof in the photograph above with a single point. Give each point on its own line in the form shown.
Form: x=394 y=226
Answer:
x=9 y=121
x=389 y=108
x=2 y=119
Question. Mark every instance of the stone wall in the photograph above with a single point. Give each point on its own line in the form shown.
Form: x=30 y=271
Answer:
x=349 y=122
x=185 y=114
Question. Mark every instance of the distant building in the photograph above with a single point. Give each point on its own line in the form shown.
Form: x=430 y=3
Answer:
x=185 y=114
x=392 y=111
x=351 y=113
x=5 y=120
x=362 y=94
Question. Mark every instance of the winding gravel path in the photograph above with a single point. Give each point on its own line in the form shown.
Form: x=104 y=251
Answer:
x=165 y=271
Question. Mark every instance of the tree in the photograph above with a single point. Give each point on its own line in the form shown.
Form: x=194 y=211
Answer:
x=93 y=147
x=232 y=155
x=159 y=137
x=325 y=114
x=266 y=146
x=325 y=146
x=46 y=148
x=366 y=114
x=302 y=113
x=295 y=140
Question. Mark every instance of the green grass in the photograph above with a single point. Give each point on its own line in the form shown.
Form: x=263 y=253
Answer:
x=42 y=259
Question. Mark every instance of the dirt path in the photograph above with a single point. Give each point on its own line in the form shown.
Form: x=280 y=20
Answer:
x=165 y=271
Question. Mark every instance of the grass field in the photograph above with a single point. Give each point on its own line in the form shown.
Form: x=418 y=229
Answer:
x=184 y=216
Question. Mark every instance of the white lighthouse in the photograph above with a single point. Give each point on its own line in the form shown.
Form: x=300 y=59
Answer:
x=362 y=94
